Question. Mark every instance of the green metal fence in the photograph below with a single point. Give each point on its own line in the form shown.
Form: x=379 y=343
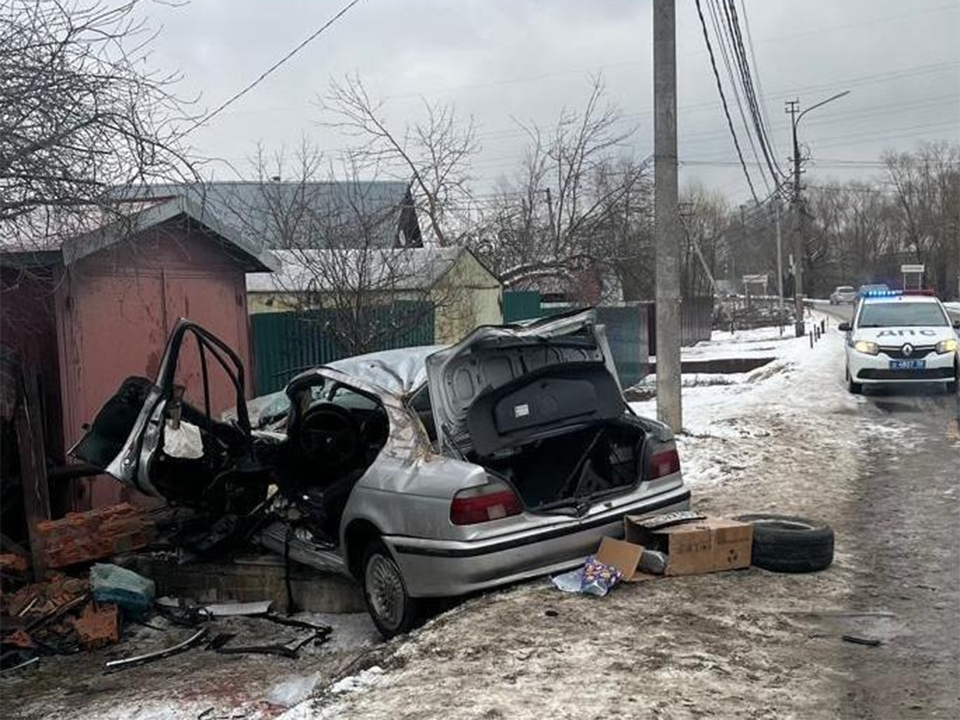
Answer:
x=626 y=327
x=521 y=305
x=286 y=343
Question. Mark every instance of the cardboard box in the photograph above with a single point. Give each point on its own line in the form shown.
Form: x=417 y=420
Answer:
x=622 y=555
x=696 y=546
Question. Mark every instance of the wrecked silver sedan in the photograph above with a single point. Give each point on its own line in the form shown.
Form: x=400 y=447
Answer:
x=422 y=472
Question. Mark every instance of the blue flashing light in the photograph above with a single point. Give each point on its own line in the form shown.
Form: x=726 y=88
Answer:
x=882 y=293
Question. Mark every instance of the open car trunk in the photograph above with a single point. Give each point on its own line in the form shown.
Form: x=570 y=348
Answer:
x=540 y=406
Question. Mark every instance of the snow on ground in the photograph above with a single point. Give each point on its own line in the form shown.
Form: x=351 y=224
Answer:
x=722 y=407
x=730 y=642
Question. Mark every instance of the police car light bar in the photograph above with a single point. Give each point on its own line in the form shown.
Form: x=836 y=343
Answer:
x=882 y=293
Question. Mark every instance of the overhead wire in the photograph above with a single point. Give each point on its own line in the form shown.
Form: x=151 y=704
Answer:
x=756 y=71
x=747 y=78
x=723 y=40
x=263 y=76
x=723 y=101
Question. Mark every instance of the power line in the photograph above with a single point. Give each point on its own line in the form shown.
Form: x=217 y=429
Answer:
x=756 y=70
x=733 y=24
x=202 y=121
x=723 y=100
x=723 y=41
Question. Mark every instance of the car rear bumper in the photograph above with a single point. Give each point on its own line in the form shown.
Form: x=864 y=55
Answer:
x=868 y=369
x=443 y=568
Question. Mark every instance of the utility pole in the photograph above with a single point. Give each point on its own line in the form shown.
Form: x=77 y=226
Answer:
x=666 y=213
x=779 y=265
x=793 y=110
x=793 y=107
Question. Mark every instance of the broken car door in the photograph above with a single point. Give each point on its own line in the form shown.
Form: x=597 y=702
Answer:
x=150 y=438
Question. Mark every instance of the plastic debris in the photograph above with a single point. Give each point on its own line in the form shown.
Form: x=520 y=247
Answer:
x=293 y=690
x=653 y=561
x=594 y=578
x=194 y=639
x=133 y=593
x=182 y=440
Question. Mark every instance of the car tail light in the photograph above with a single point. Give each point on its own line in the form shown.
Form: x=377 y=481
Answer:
x=484 y=503
x=664 y=461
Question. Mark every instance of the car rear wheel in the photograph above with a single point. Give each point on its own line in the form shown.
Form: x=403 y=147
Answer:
x=393 y=611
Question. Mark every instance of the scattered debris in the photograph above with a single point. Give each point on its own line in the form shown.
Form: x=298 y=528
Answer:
x=21 y=666
x=870 y=642
x=133 y=593
x=594 y=578
x=293 y=690
x=290 y=650
x=13 y=563
x=247 y=609
x=190 y=642
x=98 y=625
x=364 y=679
x=95 y=534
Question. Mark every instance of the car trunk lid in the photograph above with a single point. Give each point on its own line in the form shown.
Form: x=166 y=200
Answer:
x=505 y=386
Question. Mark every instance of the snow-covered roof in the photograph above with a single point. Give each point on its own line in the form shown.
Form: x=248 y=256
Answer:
x=375 y=269
x=141 y=216
x=259 y=209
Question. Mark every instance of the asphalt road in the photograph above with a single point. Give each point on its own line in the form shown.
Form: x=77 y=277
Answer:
x=910 y=531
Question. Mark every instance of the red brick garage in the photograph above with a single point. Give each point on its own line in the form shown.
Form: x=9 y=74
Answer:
x=117 y=293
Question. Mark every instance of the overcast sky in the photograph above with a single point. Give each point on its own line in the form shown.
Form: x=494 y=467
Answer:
x=501 y=59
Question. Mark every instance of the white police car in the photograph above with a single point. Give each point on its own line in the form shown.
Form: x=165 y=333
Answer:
x=900 y=338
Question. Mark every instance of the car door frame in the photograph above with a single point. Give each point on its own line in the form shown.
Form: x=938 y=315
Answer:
x=132 y=465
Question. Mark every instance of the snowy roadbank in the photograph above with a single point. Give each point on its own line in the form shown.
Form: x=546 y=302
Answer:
x=726 y=645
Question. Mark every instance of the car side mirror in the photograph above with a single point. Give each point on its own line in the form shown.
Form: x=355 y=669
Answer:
x=956 y=324
x=844 y=327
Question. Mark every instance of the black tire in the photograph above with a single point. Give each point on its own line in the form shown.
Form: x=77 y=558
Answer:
x=393 y=611
x=784 y=543
x=855 y=388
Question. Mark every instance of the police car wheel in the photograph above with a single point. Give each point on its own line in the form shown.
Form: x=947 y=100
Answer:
x=784 y=543
x=855 y=388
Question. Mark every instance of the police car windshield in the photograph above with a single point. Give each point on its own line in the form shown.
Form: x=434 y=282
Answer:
x=901 y=314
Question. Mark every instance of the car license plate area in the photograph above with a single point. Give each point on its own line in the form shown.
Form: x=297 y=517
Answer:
x=908 y=364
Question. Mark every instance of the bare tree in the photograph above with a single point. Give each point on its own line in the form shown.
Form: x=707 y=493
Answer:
x=434 y=154
x=706 y=225
x=578 y=206
x=341 y=269
x=80 y=116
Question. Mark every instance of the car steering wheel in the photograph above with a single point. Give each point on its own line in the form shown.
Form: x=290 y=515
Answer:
x=330 y=436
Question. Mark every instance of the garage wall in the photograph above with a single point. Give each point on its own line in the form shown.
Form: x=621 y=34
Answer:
x=115 y=311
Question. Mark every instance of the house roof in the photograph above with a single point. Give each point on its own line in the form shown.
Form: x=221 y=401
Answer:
x=323 y=270
x=265 y=211
x=251 y=256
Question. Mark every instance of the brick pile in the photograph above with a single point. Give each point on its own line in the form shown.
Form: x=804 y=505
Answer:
x=9 y=562
x=95 y=534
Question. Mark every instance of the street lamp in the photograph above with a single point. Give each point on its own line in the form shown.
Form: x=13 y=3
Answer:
x=792 y=107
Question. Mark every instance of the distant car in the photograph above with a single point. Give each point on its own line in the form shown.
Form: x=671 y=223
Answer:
x=843 y=294
x=421 y=472
x=899 y=339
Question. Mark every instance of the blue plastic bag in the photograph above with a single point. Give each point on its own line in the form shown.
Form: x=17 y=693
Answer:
x=132 y=593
